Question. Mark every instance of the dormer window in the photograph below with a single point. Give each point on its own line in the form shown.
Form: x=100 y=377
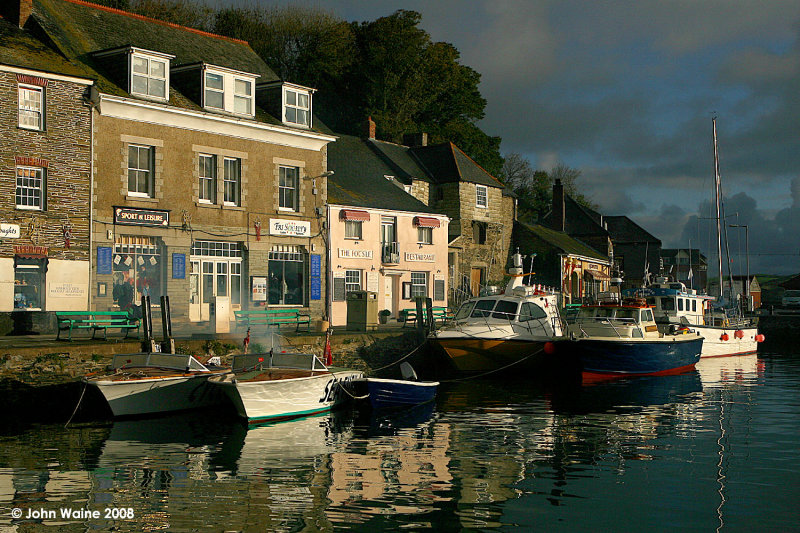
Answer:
x=297 y=106
x=149 y=76
x=228 y=90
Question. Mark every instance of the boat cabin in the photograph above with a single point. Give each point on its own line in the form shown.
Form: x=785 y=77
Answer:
x=501 y=308
x=673 y=303
x=620 y=321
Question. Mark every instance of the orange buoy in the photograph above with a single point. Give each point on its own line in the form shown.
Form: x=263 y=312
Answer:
x=760 y=337
x=724 y=337
x=738 y=334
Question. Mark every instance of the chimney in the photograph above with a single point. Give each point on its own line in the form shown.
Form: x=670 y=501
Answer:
x=558 y=216
x=415 y=139
x=25 y=10
x=370 y=128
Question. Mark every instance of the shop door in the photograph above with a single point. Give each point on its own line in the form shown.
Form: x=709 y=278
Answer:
x=208 y=280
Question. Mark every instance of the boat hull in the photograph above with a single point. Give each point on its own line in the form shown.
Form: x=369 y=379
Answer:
x=715 y=346
x=472 y=355
x=157 y=395
x=639 y=357
x=283 y=399
x=385 y=393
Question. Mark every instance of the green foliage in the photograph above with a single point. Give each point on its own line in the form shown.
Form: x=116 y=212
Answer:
x=218 y=348
x=534 y=188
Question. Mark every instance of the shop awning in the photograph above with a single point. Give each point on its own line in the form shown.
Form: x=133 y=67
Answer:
x=353 y=214
x=598 y=275
x=426 y=222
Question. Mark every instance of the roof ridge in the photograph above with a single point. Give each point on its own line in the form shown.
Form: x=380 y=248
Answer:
x=500 y=183
x=157 y=21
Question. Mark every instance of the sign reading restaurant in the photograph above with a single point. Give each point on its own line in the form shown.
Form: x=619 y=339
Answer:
x=295 y=228
x=141 y=217
x=423 y=258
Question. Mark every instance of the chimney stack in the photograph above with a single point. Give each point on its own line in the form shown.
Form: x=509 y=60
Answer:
x=559 y=217
x=415 y=139
x=370 y=128
x=24 y=13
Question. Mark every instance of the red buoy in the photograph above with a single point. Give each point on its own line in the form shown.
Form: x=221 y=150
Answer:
x=760 y=337
x=738 y=334
x=724 y=337
x=549 y=348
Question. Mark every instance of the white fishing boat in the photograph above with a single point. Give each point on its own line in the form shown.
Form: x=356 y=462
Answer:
x=515 y=328
x=279 y=386
x=724 y=328
x=147 y=383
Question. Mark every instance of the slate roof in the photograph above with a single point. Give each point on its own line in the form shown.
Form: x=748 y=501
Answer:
x=19 y=49
x=624 y=230
x=579 y=220
x=446 y=163
x=672 y=252
x=399 y=158
x=561 y=241
x=359 y=181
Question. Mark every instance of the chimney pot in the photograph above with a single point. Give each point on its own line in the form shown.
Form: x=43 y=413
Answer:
x=371 y=127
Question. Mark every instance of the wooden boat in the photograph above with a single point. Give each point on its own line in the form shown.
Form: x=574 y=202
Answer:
x=147 y=383
x=621 y=338
x=515 y=329
x=280 y=386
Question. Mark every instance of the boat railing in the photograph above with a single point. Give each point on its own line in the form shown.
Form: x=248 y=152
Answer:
x=613 y=322
x=263 y=361
x=512 y=319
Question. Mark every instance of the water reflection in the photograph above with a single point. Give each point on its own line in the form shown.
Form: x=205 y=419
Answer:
x=666 y=452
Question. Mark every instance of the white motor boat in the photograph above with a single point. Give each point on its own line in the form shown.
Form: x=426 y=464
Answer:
x=147 y=383
x=512 y=329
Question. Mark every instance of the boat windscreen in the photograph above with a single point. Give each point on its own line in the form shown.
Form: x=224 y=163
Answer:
x=465 y=309
x=482 y=308
x=505 y=309
x=667 y=303
x=530 y=311
x=627 y=314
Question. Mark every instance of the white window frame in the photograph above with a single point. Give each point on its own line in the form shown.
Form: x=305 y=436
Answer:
x=150 y=171
x=424 y=235
x=150 y=76
x=415 y=284
x=354 y=229
x=352 y=281
x=26 y=107
x=203 y=179
x=231 y=94
x=282 y=188
x=482 y=200
x=40 y=195
x=296 y=106
x=230 y=166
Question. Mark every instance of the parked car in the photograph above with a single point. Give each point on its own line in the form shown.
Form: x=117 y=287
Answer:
x=790 y=299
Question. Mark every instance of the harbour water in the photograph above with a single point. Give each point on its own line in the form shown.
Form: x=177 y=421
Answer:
x=715 y=449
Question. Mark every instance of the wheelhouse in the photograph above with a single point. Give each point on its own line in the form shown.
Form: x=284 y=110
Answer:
x=505 y=309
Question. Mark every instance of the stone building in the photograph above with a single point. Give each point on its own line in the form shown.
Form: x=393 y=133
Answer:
x=382 y=239
x=209 y=172
x=45 y=176
x=480 y=208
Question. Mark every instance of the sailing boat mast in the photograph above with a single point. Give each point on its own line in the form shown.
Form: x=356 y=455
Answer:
x=717 y=200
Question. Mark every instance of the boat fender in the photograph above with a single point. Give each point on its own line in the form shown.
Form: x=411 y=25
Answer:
x=738 y=334
x=724 y=337
x=760 y=337
x=549 y=348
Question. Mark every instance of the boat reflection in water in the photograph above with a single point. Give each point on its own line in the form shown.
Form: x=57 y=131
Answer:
x=741 y=370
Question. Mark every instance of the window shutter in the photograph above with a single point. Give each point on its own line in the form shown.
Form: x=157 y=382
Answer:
x=406 y=290
x=438 y=289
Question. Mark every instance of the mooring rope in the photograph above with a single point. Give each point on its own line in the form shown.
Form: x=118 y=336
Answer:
x=399 y=360
x=76 y=407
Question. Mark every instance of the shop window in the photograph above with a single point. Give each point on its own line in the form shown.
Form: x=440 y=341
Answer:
x=29 y=276
x=216 y=271
x=137 y=271
x=419 y=284
x=286 y=276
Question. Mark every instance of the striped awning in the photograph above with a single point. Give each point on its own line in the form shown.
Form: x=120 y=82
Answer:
x=353 y=214
x=426 y=222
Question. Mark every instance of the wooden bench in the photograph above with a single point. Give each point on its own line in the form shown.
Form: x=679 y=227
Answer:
x=273 y=317
x=409 y=316
x=96 y=321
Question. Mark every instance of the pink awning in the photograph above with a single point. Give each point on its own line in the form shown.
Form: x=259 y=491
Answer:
x=426 y=222
x=352 y=214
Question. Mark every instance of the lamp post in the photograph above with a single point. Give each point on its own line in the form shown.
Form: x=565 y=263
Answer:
x=747 y=256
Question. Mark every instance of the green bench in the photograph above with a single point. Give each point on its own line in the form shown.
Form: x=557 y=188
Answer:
x=273 y=317
x=95 y=321
x=409 y=316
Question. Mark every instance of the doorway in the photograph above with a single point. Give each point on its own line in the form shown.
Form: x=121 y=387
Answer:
x=476 y=280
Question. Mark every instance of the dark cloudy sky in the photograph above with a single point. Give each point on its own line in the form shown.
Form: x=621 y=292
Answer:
x=624 y=91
